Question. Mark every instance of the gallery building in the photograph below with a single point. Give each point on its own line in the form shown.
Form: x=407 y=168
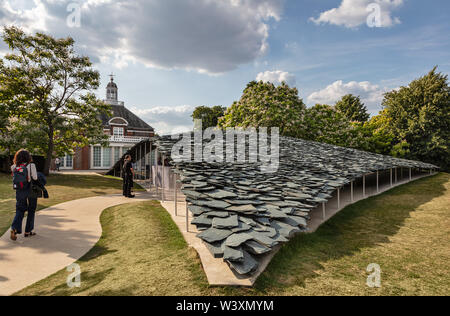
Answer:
x=124 y=128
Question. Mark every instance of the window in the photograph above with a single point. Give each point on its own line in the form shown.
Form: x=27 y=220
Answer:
x=118 y=131
x=69 y=161
x=116 y=154
x=97 y=157
x=106 y=157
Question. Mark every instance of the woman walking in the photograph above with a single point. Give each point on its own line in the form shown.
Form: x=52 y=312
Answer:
x=23 y=171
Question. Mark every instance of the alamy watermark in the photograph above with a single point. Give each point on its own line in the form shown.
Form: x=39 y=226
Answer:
x=374 y=18
x=239 y=146
x=374 y=279
x=74 y=278
x=74 y=18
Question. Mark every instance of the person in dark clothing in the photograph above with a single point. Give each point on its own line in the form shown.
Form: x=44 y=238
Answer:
x=128 y=173
x=23 y=171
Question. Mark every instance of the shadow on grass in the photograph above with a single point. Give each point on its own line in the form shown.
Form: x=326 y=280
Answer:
x=365 y=224
x=96 y=252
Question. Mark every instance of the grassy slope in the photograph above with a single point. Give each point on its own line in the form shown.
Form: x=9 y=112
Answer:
x=61 y=188
x=406 y=231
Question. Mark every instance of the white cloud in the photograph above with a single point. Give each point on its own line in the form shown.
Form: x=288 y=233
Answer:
x=353 y=13
x=167 y=120
x=371 y=94
x=31 y=19
x=277 y=77
x=202 y=35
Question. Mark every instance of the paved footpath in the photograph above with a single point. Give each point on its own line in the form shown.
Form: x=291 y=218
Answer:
x=65 y=231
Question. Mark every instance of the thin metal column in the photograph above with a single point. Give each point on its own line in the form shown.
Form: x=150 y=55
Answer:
x=175 y=192
x=156 y=171
x=396 y=178
x=410 y=174
x=391 y=178
x=378 y=181
x=145 y=161
x=323 y=211
x=187 y=217
x=364 y=186
x=352 y=198
x=136 y=163
x=162 y=179
x=339 y=197
x=151 y=163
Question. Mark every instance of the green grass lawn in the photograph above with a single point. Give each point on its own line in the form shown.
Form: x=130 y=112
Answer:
x=61 y=188
x=406 y=231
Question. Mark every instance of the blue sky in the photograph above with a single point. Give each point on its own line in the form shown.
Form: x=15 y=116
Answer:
x=170 y=56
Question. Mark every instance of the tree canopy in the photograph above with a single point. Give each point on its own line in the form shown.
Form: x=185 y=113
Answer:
x=45 y=83
x=265 y=105
x=419 y=117
x=353 y=109
x=209 y=115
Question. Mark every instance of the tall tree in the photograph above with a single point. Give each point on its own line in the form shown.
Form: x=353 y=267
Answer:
x=419 y=116
x=323 y=123
x=46 y=83
x=352 y=107
x=265 y=105
x=209 y=115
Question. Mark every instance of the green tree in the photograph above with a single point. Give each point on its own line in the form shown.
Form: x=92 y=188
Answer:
x=374 y=135
x=44 y=82
x=419 y=117
x=352 y=107
x=323 y=123
x=209 y=115
x=265 y=105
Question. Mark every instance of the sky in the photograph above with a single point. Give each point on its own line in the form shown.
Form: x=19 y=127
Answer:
x=169 y=56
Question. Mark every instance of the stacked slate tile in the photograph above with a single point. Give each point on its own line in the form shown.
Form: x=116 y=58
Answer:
x=242 y=213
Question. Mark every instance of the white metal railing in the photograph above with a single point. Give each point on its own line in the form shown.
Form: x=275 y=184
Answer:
x=126 y=139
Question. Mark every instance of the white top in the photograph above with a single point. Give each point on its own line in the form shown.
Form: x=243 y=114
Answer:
x=32 y=172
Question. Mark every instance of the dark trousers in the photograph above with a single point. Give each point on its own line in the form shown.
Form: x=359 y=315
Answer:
x=24 y=204
x=127 y=185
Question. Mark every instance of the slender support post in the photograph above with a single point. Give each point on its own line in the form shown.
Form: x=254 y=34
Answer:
x=396 y=178
x=364 y=186
x=378 y=181
x=391 y=178
x=175 y=192
x=410 y=174
x=187 y=217
x=150 y=163
x=156 y=171
x=351 y=193
x=324 y=214
x=339 y=197
x=145 y=162
x=162 y=178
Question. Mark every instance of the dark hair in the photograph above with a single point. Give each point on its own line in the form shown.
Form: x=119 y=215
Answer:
x=22 y=156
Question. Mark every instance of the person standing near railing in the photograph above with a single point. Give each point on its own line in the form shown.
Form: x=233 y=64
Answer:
x=128 y=175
